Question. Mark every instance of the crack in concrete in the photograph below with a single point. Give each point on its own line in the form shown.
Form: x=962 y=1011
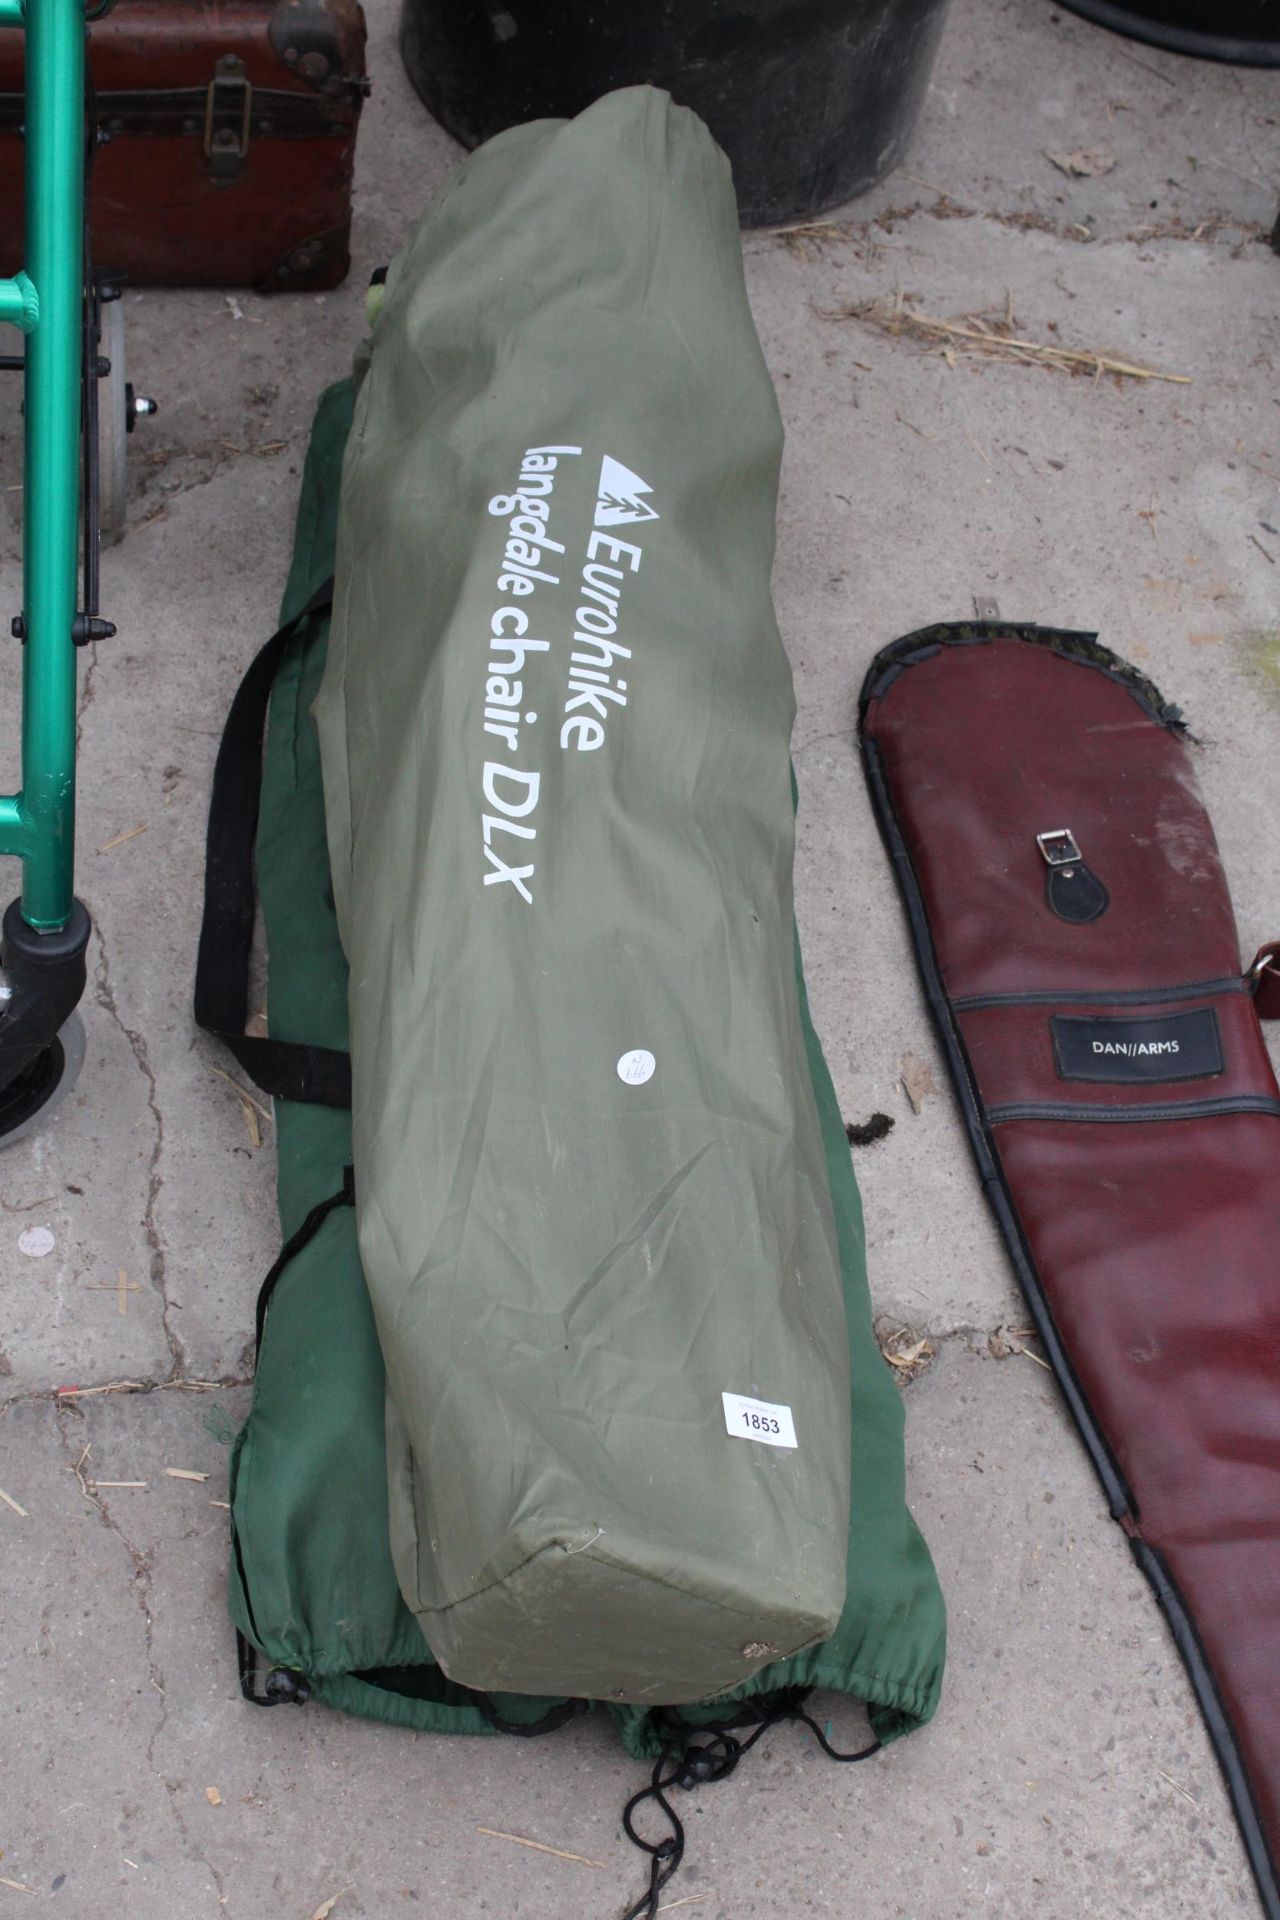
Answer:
x=847 y=734
x=105 y=995
x=976 y=1338
x=141 y=1588
x=27 y=1206
x=70 y=1396
x=140 y=1562
x=191 y=1846
x=220 y=454
x=88 y=692
x=1025 y=220
x=45 y=1642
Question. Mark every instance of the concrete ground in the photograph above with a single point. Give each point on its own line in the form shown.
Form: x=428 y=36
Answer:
x=1067 y=1773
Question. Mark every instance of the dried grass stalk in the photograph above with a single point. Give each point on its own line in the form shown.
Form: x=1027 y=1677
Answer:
x=993 y=338
x=539 y=1846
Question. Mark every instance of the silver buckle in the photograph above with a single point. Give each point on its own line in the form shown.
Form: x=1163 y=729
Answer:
x=1059 y=847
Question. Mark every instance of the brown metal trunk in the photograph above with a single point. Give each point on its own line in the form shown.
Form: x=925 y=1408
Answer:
x=227 y=142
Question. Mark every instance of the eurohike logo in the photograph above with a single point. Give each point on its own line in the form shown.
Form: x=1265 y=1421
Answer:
x=619 y=501
x=599 y=661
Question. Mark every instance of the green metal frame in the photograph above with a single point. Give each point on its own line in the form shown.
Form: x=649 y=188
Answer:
x=45 y=301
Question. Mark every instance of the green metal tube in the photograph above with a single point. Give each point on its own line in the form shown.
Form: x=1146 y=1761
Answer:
x=21 y=309
x=15 y=828
x=19 y=303
x=55 y=265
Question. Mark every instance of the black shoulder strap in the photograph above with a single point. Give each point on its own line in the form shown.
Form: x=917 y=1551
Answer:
x=344 y=1197
x=286 y=1070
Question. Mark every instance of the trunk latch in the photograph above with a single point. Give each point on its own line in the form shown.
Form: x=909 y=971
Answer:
x=227 y=111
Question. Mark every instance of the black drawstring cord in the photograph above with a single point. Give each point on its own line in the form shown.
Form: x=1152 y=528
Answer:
x=664 y=1855
x=846 y=1759
x=715 y=1760
x=549 y=1722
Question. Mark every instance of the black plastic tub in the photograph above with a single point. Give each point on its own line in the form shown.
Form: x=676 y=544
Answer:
x=814 y=101
x=1243 y=32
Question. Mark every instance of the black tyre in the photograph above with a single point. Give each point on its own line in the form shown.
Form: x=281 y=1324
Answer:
x=113 y=427
x=27 y=1102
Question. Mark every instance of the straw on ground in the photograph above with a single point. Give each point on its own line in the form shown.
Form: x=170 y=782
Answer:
x=518 y=1839
x=991 y=336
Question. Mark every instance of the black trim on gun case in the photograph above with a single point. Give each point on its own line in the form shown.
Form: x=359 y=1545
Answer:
x=1085 y=649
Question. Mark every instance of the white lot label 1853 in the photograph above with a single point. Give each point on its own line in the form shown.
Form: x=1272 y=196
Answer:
x=758 y=1420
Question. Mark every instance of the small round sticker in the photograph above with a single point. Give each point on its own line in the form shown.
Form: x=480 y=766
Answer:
x=636 y=1067
x=36 y=1242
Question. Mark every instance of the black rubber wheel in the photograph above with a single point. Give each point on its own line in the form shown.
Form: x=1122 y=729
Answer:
x=28 y=1101
x=113 y=428
x=1245 y=33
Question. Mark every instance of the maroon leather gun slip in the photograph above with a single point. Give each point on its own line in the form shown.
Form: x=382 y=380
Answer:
x=1074 y=933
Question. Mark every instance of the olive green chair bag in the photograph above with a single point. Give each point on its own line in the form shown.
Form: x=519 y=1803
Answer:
x=639 y=1445
x=592 y=1203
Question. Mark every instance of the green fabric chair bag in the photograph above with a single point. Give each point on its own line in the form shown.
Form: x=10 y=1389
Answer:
x=312 y=1584
x=593 y=1206
x=605 y=1201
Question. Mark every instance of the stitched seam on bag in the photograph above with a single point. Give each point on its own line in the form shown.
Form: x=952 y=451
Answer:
x=875 y=1691
x=1079 y=997
x=650 y=1579
x=1259 y=1103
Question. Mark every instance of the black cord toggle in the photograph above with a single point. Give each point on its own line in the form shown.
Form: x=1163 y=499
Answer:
x=284 y=1686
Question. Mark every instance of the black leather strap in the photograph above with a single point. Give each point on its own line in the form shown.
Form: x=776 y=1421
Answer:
x=284 y=1069
x=1076 y=894
x=344 y=1197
